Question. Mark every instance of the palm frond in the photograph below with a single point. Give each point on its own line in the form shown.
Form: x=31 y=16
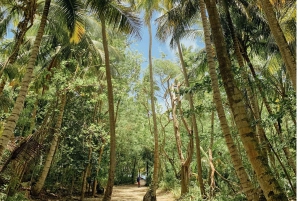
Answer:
x=71 y=14
x=177 y=21
x=119 y=16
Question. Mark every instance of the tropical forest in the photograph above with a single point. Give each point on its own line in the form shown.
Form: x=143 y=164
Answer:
x=153 y=100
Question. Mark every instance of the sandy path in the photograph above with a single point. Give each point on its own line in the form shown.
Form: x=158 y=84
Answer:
x=133 y=193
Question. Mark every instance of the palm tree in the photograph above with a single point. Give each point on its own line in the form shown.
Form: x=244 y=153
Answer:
x=246 y=184
x=18 y=107
x=40 y=183
x=120 y=17
x=267 y=181
x=149 y=7
x=286 y=53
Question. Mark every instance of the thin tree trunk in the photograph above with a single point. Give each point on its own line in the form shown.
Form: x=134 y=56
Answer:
x=211 y=180
x=267 y=181
x=194 y=124
x=185 y=163
x=151 y=193
x=286 y=53
x=246 y=185
x=36 y=189
x=19 y=104
x=98 y=168
x=85 y=175
x=288 y=155
x=112 y=126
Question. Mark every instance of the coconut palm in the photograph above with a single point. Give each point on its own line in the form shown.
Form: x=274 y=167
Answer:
x=122 y=18
x=149 y=7
x=286 y=53
x=267 y=181
x=19 y=104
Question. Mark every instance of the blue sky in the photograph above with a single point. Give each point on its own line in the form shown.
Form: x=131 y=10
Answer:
x=159 y=47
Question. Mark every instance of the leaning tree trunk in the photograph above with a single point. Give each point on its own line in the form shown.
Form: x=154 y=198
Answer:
x=286 y=150
x=194 y=123
x=266 y=179
x=286 y=53
x=19 y=104
x=40 y=183
x=246 y=184
x=111 y=111
x=151 y=193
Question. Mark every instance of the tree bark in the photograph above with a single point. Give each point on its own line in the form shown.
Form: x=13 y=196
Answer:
x=267 y=181
x=40 y=183
x=286 y=53
x=112 y=126
x=151 y=193
x=194 y=123
x=19 y=104
x=246 y=184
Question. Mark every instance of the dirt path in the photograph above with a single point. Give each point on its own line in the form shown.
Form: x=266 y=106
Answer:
x=133 y=193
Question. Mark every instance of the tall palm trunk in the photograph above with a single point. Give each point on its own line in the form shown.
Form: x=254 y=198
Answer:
x=194 y=123
x=19 y=104
x=111 y=111
x=260 y=133
x=266 y=179
x=151 y=193
x=40 y=183
x=286 y=53
x=246 y=185
x=286 y=150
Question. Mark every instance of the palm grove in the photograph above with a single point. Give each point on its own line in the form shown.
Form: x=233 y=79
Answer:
x=78 y=109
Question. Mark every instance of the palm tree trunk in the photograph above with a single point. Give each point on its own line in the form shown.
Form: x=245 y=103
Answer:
x=287 y=56
x=19 y=104
x=286 y=151
x=266 y=179
x=151 y=193
x=253 y=101
x=112 y=166
x=40 y=183
x=246 y=185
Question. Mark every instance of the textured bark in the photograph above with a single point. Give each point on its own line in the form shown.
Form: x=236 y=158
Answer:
x=111 y=111
x=285 y=149
x=185 y=163
x=246 y=184
x=19 y=104
x=194 y=124
x=151 y=193
x=286 y=53
x=266 y=179
x=40 y=183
